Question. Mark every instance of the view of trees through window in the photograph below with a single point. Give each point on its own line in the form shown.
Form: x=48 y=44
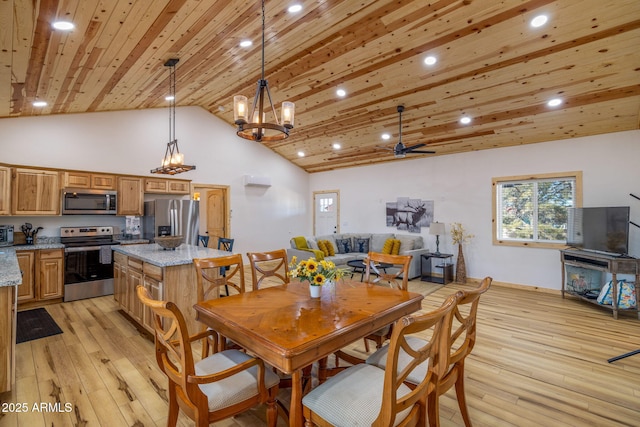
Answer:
x=534 y=210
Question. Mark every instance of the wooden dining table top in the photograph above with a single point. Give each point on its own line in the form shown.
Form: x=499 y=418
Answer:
x=288 y=329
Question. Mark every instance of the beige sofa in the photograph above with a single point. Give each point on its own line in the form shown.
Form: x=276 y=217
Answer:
x=409 y=245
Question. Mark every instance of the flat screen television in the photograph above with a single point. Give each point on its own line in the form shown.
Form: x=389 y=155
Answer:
x=602 y=229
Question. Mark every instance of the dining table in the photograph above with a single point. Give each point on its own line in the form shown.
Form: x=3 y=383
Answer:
x=289 y=330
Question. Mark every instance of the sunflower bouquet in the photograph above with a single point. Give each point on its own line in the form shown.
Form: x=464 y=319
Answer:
x=316 y=272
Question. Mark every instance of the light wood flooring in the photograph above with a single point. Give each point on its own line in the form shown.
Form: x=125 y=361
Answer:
x=539 y=361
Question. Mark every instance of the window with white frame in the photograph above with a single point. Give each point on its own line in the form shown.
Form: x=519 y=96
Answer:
x=532 y=210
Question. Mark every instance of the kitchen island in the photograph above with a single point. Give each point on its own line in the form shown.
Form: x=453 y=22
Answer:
x=167 y=274
x=10 y=278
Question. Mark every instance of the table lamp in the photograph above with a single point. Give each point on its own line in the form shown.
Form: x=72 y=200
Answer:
x=437 y=228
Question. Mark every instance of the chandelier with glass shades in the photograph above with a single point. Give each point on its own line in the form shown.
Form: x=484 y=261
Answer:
x=252 y=123
x=173 y=160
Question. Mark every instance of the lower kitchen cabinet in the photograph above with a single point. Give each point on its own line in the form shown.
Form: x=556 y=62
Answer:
x=128 y=274
x=42 y=275
x=27 y=262
x=7 y=337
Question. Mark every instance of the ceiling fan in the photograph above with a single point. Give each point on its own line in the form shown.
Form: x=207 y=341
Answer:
x=400 y=150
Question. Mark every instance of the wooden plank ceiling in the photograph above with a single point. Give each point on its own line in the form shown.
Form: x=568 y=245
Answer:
x=492 y=66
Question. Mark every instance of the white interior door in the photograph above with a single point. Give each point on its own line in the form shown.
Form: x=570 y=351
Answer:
x=326 y=212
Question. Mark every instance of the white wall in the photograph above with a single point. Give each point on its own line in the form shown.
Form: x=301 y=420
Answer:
x=133 y=142
x=460 y=186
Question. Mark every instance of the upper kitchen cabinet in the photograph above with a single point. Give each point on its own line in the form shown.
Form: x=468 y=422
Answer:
x=130 y=196
x=94 y=181
x=35 y=192
x=166 y=186
x=5 y=190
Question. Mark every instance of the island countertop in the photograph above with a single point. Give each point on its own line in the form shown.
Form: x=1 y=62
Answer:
x=154 y=254
x=10 y=274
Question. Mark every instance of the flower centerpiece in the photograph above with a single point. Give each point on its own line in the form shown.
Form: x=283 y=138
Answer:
x=459 y=236
x=317 y=273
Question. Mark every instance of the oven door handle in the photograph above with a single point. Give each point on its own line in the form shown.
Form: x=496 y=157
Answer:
x=82 y=249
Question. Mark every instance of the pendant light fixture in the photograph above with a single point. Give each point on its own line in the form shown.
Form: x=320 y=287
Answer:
x=252 y=124
x=173 y=160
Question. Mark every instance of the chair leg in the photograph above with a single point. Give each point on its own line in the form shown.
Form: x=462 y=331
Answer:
x=172 y=419
x=272 y=410
x=462 y=400
x=433 y=409
x=366 y=345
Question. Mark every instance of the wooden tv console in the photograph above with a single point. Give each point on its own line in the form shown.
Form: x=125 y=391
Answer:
x=577 y=260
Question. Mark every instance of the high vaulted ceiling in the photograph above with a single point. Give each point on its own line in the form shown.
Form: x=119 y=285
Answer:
x=492 y=67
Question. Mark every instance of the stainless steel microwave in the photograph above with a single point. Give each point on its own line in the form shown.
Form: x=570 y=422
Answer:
x=89 y=202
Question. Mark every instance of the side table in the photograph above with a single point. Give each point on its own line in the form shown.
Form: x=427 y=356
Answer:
x=444 y=262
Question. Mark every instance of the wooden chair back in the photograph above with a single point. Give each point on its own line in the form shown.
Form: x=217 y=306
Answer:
x=461 y=341
x=374 y=273
x=210 y=280
x=272 y=264
x=403 y=358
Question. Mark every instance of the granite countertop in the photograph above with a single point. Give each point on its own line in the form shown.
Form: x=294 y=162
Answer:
x=38 y=246
x=131 y=241
x=10 y=274
x=154 y=254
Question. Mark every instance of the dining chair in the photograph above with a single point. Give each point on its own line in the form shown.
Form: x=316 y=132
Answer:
x=396 y=275
x=209 y=282
x=225 y=244
x=270 y=265
x=203 y=240
x=366 y=395
x=219 y=386
x=460 y=342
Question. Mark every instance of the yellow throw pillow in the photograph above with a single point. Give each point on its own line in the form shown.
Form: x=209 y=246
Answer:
x=387 y=247
x=396 y=247
x=322 y=245
x=301 y=242
x=330 y=248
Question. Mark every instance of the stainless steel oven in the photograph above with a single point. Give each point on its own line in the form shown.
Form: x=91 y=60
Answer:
x=88 y=261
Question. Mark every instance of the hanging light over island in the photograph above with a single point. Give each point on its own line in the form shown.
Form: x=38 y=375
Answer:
x=173 y=161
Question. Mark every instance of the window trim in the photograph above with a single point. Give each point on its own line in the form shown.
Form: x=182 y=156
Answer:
x=577 y=175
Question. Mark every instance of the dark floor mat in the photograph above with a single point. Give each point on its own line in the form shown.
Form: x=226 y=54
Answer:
x=35 y=324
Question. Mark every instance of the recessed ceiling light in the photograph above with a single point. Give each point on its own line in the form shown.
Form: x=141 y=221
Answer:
x=246 y=43
x=63 y=25
x=169 y=98
x=430 y=60
x=39 y=103
x=554 y=102
x=341 y=93
x=386 y=136
x=539 y=21
x=300 y=153
x=465 y=120
x=295 y=8
x=336 y=146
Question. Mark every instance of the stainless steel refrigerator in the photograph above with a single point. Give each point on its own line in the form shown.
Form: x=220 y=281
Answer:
x=172 y=217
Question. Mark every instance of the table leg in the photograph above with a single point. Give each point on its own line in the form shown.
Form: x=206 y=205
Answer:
x=295 y=411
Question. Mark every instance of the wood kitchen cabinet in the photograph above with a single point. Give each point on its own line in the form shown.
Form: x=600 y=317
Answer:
x=152 y=281
x=5 y=190
x=42 y=276
x=27 y=262
x=94 y=181
x=50 y=273
x=35 y=192
x=130 y=196
x=166 y=186
x=120 y=279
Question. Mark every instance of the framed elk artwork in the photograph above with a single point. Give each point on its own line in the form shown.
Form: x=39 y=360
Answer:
x=408 y=214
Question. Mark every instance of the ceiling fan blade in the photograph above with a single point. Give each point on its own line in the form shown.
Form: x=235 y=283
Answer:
x=421 y=152
x=413 y=147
